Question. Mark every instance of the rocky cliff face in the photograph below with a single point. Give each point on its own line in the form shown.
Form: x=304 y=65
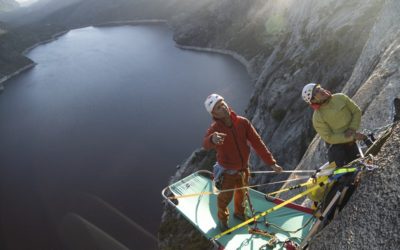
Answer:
x=347 y=46
x=288 y=44
x=371 y=218
x=375 y=80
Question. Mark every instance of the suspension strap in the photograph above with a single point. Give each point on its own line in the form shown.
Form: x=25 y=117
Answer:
x=284 y=171
x=248 y=204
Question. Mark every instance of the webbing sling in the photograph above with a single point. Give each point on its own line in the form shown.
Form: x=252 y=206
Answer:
x=290 y=188
x=344 y=170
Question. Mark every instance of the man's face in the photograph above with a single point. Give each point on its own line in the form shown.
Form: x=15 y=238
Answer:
x=320 y=95
x=221 y=110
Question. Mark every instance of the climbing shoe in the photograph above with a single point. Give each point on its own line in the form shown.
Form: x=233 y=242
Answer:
x=223 y=226
x=240 y=217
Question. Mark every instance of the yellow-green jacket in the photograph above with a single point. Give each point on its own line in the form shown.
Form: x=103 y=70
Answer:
x=334 y=117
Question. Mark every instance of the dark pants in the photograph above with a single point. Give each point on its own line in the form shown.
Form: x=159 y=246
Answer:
x=342 y=154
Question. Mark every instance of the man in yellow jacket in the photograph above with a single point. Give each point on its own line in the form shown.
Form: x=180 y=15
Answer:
x=336 y=119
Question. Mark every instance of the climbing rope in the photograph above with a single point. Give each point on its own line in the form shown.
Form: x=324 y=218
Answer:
x=233 y=189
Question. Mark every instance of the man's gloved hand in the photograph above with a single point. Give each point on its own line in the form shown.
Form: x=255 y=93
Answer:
x=349 y=132
x=359 y=136
x=276 y=168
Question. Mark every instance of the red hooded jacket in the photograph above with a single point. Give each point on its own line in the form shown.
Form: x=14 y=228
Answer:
x=235 y=151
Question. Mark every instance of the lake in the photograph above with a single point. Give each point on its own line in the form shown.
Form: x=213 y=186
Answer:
x=92 y=133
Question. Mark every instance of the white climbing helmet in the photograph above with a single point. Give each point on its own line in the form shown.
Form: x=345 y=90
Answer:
x=307 y=92
x=211 y=101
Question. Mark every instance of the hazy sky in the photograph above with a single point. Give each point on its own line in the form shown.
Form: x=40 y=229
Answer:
x=22 y=2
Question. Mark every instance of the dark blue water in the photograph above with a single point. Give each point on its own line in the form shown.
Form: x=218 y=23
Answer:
x=106 y=115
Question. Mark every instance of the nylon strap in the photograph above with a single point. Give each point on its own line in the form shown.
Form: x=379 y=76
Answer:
x=344 y=170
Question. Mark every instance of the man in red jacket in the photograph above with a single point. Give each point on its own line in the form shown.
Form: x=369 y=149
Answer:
x=229 y=135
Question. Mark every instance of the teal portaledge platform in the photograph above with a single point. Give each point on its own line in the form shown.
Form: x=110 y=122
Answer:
x=201 y=211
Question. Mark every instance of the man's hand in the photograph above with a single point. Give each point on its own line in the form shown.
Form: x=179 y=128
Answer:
x=349 y=132
x=218 y=138
x=276 y=168
x=360 y=136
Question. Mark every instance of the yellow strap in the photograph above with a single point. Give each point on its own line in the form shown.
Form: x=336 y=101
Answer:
x=344 y=170
x=255 y=218
x=190 y=195
x=331 y=166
